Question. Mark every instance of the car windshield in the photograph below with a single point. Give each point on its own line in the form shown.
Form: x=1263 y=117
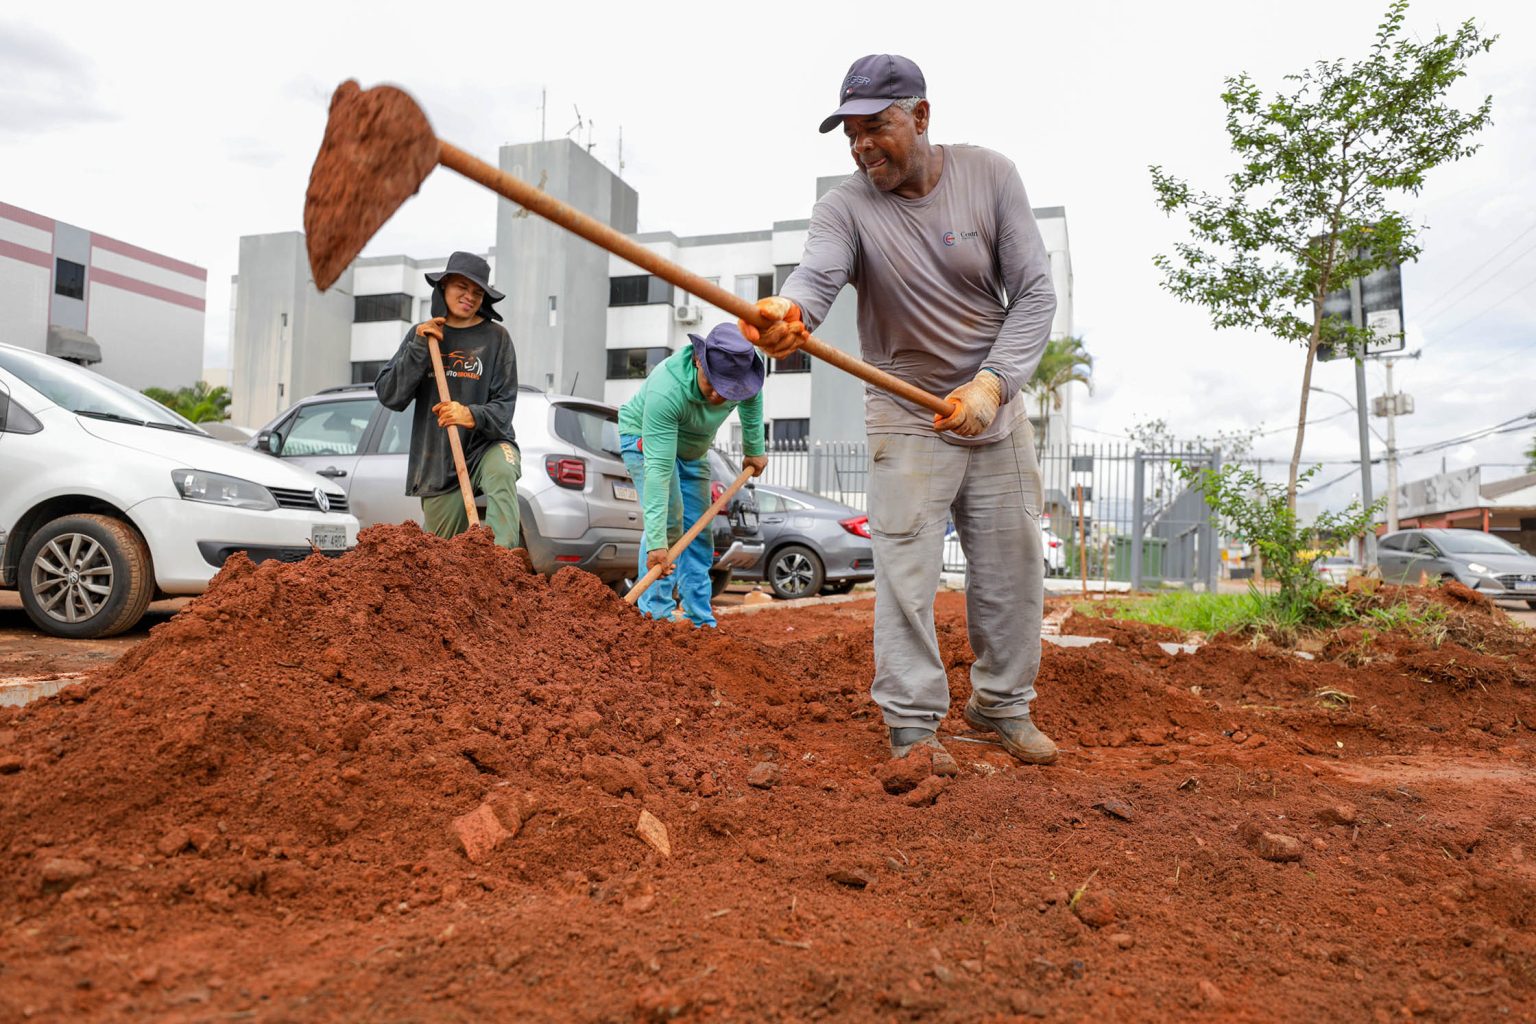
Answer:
x=89 y=394
x=596 y=430
x=1471 y=542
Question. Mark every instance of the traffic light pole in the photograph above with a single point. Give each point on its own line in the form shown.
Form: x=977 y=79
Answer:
x=1391 y=451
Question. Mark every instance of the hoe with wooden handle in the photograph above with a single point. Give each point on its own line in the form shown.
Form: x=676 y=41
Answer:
x=379 y=148
x=677 y=549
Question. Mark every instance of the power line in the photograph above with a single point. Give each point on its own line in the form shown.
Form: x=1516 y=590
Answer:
x=1480 y=313
x=1473 y=273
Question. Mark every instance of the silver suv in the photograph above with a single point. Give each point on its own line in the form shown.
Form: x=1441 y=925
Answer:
x=577 y=502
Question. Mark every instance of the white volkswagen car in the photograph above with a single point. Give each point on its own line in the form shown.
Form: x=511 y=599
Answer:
x=108 y=500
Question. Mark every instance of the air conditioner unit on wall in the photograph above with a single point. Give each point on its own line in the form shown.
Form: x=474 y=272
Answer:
x=687 y=314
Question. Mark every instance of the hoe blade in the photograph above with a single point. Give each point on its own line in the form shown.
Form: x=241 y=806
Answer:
x=378 y=149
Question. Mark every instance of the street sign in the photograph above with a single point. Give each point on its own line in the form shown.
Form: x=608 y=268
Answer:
x=1381 y=306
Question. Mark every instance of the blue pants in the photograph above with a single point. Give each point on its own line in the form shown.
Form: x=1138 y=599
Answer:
x=690 y=575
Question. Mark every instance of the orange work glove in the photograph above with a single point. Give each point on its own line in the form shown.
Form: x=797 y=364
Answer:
x=452 y=414
x=975 y=405
x=431 y=329
x=785 y=335
x=655 y=557
x=756 y=463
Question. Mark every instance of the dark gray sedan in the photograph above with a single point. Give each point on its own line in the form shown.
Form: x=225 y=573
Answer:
x=1488 y=564
x=812 y=544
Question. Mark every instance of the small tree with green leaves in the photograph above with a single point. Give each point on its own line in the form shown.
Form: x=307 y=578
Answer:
x=1262 y=514
x=1307 y=208
x=1065 y=361
x=199 y=403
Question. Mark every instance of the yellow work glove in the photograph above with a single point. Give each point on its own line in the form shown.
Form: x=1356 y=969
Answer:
x=785 y=335
x=975 y=405
x=756 y=463
x=452 y=414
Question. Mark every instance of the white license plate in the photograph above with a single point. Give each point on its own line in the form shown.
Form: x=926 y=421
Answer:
x=329 y=538
x=624 y=492
x=1525 y=584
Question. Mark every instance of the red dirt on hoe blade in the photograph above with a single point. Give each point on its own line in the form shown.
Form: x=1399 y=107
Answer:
x=268 y=810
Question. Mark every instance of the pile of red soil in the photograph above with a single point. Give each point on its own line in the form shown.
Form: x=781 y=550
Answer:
x=253 y=814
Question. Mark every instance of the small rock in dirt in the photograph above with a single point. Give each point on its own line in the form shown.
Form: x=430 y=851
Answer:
x=583 y=722
x=1209 y=994
x=707 y=785
x=901 y=774
x=1319 y=844
x=1058 y=897
x=1116 y=809
x=1239 y=736
x=1150 y=737
x=853 y=878
x=479 y=832
x=10 y=764
x=173 y=842
x=1094 y=908
x=1339 y=814
x=926 y=792
x=1278 y=847
x=1254 y=742
x=615 y=775
x=59 y=873
x=765 y=775
x=1121 y=940
x=650 y=829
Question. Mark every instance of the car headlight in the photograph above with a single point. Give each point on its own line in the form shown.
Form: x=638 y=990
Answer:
x=218 y=489
x=1480 y=568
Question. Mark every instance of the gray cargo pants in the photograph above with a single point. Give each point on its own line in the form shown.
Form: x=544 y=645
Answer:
x=916 y=483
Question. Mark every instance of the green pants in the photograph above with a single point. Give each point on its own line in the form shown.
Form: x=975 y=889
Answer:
x=496 y=478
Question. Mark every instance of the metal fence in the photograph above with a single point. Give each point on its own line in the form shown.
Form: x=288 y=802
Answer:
x=1110 y=512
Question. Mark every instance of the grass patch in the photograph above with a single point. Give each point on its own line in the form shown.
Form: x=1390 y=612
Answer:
x=1187 y=611
x=1271 y=615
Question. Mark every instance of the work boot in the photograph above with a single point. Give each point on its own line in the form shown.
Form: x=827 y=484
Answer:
x=1018 y=735
x=904 y=741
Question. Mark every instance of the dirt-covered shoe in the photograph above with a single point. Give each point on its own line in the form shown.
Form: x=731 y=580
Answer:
x=1018 y=735
x=904 y=741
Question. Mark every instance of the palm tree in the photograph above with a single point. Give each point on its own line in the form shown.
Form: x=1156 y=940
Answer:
x=199 y=403
x=1065 y=361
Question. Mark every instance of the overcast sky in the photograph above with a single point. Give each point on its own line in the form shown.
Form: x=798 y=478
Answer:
x=183 y=127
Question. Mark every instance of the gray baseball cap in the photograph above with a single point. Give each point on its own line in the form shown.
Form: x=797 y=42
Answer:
x=872 y=83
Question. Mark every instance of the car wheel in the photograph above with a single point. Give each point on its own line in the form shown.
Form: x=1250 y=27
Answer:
x=795 y=571
x=840 y=587
x=719 y=579
x=85 y=576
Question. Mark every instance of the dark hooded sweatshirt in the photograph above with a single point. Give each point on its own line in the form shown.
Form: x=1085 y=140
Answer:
x=481 y=368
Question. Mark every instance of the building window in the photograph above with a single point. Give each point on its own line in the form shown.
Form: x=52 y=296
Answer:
x=370 y=309
x=634 y=363
x=781 y=274
x=367 y=372
x=68 y=279
x=753 y=286
x=790 y=430
x=638 y=290
x=797 y=362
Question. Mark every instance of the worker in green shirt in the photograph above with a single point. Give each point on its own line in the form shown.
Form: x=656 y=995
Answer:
x=665 y=432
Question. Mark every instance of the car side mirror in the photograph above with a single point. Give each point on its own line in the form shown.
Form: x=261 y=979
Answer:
x=269 y=441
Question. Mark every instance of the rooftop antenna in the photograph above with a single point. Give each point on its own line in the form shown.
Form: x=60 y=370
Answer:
x=621 y=151
x=543 y=109
x=578 y=125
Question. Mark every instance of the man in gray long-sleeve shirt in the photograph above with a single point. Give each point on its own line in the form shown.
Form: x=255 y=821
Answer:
x=955 y=295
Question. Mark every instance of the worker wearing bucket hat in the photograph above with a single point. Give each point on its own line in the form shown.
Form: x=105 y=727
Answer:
x=481 y=369
x=665 y=432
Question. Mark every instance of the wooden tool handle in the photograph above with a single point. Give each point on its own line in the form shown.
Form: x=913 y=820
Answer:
x=454 y=443
x=693 y=531
x=598 y=233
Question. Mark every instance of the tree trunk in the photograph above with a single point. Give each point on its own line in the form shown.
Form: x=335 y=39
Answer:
x=1306 y=393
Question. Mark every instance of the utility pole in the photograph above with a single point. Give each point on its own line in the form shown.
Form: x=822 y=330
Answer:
x=1392 y=405
x=1357 y=317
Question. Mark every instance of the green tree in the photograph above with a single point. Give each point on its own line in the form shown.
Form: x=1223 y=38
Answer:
x=1530 y=457
x=1307 y=207
x=1065 y=361
x=198 y=403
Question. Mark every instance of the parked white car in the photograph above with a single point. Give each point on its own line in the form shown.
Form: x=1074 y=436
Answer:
x=108 y=500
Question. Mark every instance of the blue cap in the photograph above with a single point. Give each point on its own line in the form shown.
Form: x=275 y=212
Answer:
x=872 y=84
x=730 y=361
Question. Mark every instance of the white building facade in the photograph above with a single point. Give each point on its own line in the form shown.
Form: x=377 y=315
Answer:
x=131 y=314
x=583 y=321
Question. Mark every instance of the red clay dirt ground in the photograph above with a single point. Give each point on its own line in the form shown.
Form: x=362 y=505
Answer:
x=250 y=816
